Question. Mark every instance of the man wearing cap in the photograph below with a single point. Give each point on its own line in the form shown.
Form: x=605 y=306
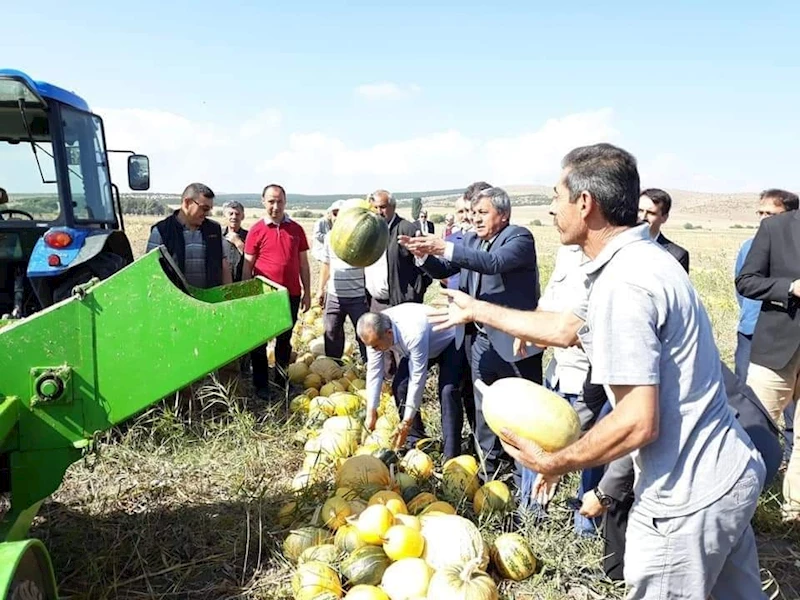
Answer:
x=235 y=236
x=342 y=294
x=321 y=230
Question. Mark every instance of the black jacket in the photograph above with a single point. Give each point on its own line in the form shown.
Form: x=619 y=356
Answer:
x=171 y=231
x=407 y=283
x=772 y=264
x=680 y=253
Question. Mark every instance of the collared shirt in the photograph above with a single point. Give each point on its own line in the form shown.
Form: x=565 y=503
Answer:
x=276 y=249
x=646 y=325
x=748 y=309
x=344 y=280
x=414 y=339
x=566 y=289
x=195 y=258
x=321 y=230
x=376 y=276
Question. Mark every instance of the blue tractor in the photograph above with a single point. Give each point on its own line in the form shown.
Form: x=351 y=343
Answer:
x=53 y=157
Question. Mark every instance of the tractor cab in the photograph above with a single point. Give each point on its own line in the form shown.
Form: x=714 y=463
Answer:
x=61 y=218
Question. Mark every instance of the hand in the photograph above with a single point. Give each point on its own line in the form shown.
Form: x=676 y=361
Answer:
x=402 y=434
x=305 y=302
x=528 y=452
x=420 y=245
x=371 y=419
x=321 y=298
x=520 y=347
x=591 y=506
x=234 y=239
x=796 y=288
x=544 y=488
x=460 y=309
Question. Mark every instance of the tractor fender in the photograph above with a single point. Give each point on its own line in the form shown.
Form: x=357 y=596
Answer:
x=86 y=244
x=26 y=571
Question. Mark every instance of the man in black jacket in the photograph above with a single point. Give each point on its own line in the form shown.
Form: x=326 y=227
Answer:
x=771 y=273
x=195 y=242
x=654 y=207
x=394 y=278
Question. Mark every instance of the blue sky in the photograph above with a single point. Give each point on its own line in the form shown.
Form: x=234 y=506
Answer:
x=427 y=94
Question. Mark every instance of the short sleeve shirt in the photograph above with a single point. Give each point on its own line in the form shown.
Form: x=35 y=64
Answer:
x=344 y=281
x=276 y=250
x=646 y=325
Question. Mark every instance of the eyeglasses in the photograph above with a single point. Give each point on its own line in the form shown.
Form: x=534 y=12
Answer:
x=204 y=207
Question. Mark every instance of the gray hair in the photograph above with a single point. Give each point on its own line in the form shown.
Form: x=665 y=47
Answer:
x=371 y=322
x=234 y=204
x=498 y=196
x=388 y=194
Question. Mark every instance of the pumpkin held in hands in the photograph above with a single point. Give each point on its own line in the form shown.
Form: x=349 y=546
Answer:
x=359 y=236
x=531 y=411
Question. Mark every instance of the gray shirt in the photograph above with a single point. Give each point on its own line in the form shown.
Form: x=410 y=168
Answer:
x=646 y=325
x=195 y=267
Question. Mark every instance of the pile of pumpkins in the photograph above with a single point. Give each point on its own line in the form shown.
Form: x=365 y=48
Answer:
x=367 y=524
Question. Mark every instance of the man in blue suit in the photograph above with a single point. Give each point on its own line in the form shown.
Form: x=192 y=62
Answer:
x=496 y=262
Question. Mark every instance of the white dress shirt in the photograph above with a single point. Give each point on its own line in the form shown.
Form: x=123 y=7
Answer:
x=376 y=275
x=414 y=339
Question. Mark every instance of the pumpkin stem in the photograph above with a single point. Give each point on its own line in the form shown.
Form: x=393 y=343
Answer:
x=469 y=569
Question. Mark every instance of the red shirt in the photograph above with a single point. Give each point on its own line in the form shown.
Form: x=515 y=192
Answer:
x=276 y=250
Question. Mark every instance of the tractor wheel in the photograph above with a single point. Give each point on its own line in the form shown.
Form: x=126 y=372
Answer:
x=102 y=266
x=31 y=579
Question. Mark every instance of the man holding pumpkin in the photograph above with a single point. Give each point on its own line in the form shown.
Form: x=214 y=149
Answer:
x=649 y=338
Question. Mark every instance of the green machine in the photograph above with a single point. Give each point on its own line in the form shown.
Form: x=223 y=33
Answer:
x=95 y=359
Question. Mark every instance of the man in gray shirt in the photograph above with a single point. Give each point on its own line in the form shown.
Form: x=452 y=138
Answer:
x=649 y=338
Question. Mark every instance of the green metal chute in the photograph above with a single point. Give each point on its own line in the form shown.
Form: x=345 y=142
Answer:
x=114 y=348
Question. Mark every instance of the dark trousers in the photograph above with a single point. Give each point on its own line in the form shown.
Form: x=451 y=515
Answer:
x=336 y=311
x=488 y=366
x=377 y=306
x=450 y=369
x=283 y=350
x=615 y=526
x=742 y=362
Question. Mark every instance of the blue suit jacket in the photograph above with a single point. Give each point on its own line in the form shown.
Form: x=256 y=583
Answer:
x=509 y=276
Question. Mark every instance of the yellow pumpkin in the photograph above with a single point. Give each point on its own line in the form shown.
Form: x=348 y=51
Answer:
x=303 y=538
x=322 y=404
x=407 y=578
x=513 y=557
x=335 y=512
x=326 y=553
x=493 y=497
x=299 y=404
x=391 y=500
x=326 y=368
x=401 y=542
x=457 y=582
x=366 y=592
x=439 y=507
x=348 y=539
x=330 y=388
x=417 y=464
x=374 y=522
x=530 y=411
x=315 y=578
x=420 y=502
x=360 y=470
x=311 y=392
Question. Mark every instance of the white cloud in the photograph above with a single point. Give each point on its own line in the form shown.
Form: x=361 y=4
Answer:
x=386 y=90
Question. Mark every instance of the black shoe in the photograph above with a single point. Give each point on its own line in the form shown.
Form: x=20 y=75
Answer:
x=263 y=393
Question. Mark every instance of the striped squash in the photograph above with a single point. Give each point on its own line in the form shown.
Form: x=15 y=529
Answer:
x=359 y=237
x=512 y=556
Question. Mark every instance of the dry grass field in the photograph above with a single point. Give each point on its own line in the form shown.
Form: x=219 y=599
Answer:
x=182 y=502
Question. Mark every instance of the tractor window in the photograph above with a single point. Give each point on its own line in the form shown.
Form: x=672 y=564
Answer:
x=87 y=167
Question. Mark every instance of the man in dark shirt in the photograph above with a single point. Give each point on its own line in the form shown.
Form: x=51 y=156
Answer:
x=654 y=207
x=235 y=236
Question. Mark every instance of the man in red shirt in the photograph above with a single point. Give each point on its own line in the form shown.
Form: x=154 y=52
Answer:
x=276 y=248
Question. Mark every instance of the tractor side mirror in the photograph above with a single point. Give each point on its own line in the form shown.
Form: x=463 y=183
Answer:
x=138 y=172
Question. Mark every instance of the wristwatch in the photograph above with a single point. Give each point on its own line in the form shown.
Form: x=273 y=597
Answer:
x=605 y=499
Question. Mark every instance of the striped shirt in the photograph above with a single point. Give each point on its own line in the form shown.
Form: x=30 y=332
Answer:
x=344 y=281
x=195 y=264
